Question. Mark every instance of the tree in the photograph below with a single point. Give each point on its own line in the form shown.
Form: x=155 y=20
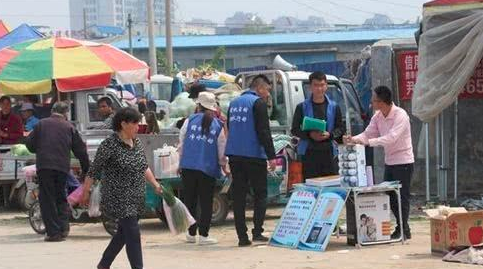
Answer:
x=257 y=29
x=217 y=61
x=163 y=65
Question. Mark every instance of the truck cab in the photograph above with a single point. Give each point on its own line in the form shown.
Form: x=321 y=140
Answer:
x=290 y=88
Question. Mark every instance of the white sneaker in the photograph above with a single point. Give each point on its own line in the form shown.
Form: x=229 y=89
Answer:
x=206 y=240
x=190 y=239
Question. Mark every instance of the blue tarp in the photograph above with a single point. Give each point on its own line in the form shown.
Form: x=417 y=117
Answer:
x=235 y=71
x=109 y=30
x=336 y=68
x=363 y=85
x=20 y=34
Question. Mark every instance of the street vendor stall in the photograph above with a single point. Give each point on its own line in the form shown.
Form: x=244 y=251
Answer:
x=75 y=70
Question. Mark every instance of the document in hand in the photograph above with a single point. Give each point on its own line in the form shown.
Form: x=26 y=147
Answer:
x=312 y=124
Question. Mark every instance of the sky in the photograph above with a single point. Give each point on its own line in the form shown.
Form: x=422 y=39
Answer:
x=55 y=13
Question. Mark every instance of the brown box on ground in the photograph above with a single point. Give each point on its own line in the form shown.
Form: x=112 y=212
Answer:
x=455 y=228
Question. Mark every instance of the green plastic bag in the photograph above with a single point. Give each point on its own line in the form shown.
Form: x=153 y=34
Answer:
x=20 y=150
x=312 y=124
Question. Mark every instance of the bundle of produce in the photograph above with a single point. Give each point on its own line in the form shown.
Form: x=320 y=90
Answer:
x=177 y=215
x=225 y=98
x=182 y=106
x=20 y=150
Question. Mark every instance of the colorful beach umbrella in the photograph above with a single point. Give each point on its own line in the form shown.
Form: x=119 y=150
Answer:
x=3 y=29
x=31 y=67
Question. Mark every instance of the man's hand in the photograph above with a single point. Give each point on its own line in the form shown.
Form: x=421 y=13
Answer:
x=319 y=136
x=272 y=164
x=226 y=170
x=347 y=139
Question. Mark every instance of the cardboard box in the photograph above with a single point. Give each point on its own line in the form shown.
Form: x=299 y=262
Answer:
x=454 y=229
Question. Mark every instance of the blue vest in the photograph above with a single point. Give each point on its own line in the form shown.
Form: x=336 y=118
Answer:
x=308 y=111
x=200 y=151
x=242 y=136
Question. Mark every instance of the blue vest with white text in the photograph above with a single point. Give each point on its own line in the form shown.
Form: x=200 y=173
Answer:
x=242 y=136
x=308 y=111
x=200 y=150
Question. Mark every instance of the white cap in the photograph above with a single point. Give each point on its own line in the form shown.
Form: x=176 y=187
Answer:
x=207 y=100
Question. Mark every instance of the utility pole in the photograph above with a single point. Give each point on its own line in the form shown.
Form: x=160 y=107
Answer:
x=153 y=63
x=169 y=36
x=85 y=23
x=129 y=27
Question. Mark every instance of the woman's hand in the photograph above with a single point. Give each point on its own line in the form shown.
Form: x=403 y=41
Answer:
x=158 y=190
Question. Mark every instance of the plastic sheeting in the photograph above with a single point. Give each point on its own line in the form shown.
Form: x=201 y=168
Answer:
x=449 y=51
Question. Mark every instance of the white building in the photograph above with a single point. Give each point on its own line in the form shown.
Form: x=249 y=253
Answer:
x=115 y=13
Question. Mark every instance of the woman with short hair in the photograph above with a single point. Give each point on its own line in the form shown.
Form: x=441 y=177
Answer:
x=122 y=168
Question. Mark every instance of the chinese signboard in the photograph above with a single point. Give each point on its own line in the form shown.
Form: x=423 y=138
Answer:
x=309 y=218
x=407 y=63
x=407 y=68
x=326 y=213
x=294 y=218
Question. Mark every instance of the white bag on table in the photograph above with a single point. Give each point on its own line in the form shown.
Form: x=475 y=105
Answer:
x=166 y=162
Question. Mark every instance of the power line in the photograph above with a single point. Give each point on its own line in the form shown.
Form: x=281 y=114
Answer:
x=362 y=11
x=311 y=7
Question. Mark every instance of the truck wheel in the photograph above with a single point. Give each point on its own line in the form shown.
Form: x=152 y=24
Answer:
x=110 y=225
x=220 y=208
x=35 y=218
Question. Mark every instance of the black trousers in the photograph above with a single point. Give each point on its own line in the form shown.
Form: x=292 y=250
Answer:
x=317 y=163
x=403 y=174
x=53 y=201
x=248 y=174
x=198 y=186
x=127 y=234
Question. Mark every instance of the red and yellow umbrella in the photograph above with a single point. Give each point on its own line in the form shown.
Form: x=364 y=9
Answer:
x=32 y=66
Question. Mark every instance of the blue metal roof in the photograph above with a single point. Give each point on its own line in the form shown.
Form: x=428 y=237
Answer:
x=271 y=39
x=110 y=30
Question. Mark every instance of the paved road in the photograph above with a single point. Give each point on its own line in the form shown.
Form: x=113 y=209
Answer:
x=21 y=248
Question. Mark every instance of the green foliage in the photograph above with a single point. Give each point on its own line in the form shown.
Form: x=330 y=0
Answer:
x=163 y=66
x=257 y=29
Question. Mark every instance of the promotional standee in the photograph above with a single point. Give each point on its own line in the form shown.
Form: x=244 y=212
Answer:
x=313 y=210
x=309 y=218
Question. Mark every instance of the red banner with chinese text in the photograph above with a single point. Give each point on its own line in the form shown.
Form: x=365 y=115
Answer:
x=407 y=68
x=407 y=71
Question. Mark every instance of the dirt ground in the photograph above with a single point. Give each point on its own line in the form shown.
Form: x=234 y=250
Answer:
x=20 y=247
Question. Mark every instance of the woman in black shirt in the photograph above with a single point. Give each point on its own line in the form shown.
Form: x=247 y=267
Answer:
x=122 y=167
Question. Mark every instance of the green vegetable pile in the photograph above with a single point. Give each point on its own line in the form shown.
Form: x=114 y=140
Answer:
x=20 y=150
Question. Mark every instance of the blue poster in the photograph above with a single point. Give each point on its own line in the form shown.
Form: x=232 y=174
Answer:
x=294 y=218
x=317 y=232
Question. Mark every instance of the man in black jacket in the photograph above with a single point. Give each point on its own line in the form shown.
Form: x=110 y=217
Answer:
x=316 y=148
x=249 y=146
x=52 y=140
